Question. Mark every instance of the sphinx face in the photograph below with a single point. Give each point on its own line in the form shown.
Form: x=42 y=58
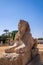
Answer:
x=22 y=29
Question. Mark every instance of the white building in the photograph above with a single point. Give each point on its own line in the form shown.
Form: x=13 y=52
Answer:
x=40 y=41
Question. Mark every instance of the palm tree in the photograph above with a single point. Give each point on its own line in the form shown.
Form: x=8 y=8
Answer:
x=6 y=31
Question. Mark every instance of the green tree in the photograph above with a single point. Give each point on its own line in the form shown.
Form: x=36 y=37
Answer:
x=6 y=31
x=13 y=34
x=3 y=38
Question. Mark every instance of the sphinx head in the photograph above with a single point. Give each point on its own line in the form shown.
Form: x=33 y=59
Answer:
x=23 y=26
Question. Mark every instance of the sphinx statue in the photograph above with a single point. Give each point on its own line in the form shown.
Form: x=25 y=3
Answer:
x=24 y=44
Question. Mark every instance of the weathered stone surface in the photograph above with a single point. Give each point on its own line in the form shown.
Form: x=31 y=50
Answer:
x=10 y=59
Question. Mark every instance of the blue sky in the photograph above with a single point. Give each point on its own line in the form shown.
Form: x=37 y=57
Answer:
x=11 y=11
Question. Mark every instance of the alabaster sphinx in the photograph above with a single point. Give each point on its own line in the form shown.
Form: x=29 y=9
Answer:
x=24 y=44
